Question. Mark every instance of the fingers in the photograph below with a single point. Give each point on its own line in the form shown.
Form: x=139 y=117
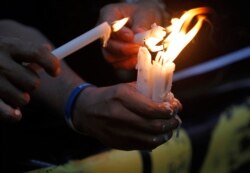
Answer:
x=125 y=34
x=145 y=106
x=11 y=94
x=121 y=54
x=18 y=75
x=140 y=104
x=119 y=48
x=152 y=126
x=127 y=63
x=8 y=113
x=130 y=139
x=27 y=52
x=142 y=124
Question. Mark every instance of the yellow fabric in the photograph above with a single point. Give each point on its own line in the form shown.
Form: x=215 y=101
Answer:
x=173 y=155
x=225 y=153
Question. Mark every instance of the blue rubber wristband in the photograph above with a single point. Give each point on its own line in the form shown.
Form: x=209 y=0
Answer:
x=71 y=102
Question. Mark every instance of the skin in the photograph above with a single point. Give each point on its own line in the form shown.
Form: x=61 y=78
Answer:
x=16 y=80
x=119 y=116
x=121 y=51
x=123 y=118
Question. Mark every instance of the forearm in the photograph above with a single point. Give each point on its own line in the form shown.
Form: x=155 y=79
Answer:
x=54 y=92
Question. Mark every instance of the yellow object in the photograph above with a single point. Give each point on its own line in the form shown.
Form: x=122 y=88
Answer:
x=229 y=149
x=175 y=155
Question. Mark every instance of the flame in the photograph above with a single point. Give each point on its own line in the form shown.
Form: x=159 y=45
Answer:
x=118 y=24
x=176 y=36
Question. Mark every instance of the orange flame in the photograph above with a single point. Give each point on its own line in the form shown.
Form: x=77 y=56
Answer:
x=117 y=25
x=178 y=35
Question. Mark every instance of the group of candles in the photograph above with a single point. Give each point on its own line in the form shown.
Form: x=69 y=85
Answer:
x=155 y=74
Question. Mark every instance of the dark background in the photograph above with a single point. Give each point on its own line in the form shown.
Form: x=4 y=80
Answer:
x=63 y=20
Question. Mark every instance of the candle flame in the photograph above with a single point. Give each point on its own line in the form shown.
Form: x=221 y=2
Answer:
x=117 y=25
x=175 y=37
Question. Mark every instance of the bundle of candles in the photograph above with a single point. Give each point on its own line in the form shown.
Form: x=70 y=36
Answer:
x=154 y=77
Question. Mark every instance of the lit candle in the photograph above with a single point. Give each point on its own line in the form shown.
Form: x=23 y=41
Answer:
x=155 y=74
x=144 y=67
x=101 y=31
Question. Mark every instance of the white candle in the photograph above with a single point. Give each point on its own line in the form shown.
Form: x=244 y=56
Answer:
x=167 y=43
x=154 y=78
x=139 y=38
x=101 y=31
x=144 y=83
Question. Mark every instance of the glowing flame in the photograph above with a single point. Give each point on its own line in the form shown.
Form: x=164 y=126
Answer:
x=117 y=25
x=175 y=37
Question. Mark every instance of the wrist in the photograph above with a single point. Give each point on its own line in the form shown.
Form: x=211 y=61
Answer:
x=72 y=107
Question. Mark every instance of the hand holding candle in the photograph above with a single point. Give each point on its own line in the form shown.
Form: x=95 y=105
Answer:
x=122 y=48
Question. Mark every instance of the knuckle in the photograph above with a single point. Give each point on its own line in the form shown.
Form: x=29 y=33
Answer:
x=119 y=91
x=114 y=111
x=33 y=83
x=124 y=51
x=23 y=99
x=158 y=126
x=35 y=53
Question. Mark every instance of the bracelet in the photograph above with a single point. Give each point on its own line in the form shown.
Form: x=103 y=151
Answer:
x=71 y=102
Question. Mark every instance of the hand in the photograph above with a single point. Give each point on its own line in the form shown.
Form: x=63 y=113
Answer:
x=18 y=81
x=121 y=51
x=122 y=118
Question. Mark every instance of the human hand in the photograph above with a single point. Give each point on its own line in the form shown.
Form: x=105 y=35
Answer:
x=18 y=81
x=121 y=51
x=120 y=117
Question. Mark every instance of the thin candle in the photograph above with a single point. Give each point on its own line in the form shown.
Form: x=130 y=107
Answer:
x=102 y=31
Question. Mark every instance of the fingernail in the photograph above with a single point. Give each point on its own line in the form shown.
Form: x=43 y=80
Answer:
x=178 y=119
x=17 y=112
x=58 y=71
x=172 y=112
